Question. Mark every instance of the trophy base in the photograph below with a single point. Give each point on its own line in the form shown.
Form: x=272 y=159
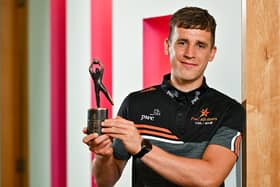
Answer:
x=95 y=118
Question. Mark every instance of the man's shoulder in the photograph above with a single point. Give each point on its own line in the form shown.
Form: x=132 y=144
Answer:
x=223 y=97
x=146 y=91
x=225 y=102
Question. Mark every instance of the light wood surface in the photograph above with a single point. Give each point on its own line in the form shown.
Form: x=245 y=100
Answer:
x=262 y=93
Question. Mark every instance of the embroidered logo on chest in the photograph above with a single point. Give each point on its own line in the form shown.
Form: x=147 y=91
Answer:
x=204 y=118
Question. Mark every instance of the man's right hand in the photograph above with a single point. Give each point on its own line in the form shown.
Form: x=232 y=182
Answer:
x=100 y=145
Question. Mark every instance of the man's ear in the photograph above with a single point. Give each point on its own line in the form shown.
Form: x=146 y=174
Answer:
x=166 y=46
x=213 y=53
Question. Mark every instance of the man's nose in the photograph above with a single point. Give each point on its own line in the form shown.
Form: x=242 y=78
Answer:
x=189 y=52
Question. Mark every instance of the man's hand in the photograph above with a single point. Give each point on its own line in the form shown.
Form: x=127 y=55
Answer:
x=100 y=145
x=125 y=131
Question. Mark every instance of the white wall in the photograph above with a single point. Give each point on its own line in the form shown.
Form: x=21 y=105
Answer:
x=39 y=91
x=224 y=73
x=78 y=91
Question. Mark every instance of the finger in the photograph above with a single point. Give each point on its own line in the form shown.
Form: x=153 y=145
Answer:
x=114 y=130
x=118 y=136
x=89 y=138
x=102 y=147
x=96 y=147
x=105 y=143
x=117 y=124
x=94 y=143
x=120 y=118
x=102 y=138
x=85 y=130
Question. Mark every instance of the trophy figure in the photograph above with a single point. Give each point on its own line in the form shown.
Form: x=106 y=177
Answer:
x=98 y=114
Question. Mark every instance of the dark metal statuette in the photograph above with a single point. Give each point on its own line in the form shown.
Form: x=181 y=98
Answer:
x=97 y=115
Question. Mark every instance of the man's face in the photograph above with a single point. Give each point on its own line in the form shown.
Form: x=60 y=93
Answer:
x=189 y=51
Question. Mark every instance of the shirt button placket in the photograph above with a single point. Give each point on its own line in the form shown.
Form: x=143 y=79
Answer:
x=181 y=120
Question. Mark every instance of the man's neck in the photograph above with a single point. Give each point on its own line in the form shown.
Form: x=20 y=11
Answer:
x=184 y=85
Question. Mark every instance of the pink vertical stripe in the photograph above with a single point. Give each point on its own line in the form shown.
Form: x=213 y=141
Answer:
x=58 y=92
x=155 y=62
x=101 y=46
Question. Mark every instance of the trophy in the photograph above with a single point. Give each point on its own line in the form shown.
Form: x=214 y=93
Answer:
x=96 y=115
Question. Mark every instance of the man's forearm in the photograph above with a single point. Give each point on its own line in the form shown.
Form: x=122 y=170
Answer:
x=105 y=170
x=208 y=171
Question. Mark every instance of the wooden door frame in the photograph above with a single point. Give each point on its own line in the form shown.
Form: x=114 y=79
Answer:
x=14 y=90
x=261 y=92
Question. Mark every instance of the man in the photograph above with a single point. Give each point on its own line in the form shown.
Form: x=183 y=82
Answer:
x=179 y=133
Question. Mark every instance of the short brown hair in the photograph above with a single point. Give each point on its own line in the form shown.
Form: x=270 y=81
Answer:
x=193 y=18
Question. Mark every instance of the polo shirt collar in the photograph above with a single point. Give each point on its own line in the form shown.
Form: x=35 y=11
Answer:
x=183 y=97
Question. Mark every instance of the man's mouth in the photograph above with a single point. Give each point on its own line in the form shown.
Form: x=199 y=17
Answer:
x=188 y=64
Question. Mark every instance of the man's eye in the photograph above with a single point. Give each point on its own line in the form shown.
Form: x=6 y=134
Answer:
x=201 y=45
x=181 y=43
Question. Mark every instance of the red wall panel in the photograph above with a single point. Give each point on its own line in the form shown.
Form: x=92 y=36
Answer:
x=58 y=92
x=101 y=48
x=155 y=62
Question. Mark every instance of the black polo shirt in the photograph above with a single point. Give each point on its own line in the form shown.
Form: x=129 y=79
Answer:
x=180 y=123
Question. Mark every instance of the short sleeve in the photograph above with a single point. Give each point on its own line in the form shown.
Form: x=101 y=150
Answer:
x=228 y=138
x=229 y=134
x=123 y=110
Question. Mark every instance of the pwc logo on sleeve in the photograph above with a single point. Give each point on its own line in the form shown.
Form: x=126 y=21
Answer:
x=204 y=118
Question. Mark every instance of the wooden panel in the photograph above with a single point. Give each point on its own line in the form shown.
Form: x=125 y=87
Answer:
x=262 y=92
x=13 y=86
